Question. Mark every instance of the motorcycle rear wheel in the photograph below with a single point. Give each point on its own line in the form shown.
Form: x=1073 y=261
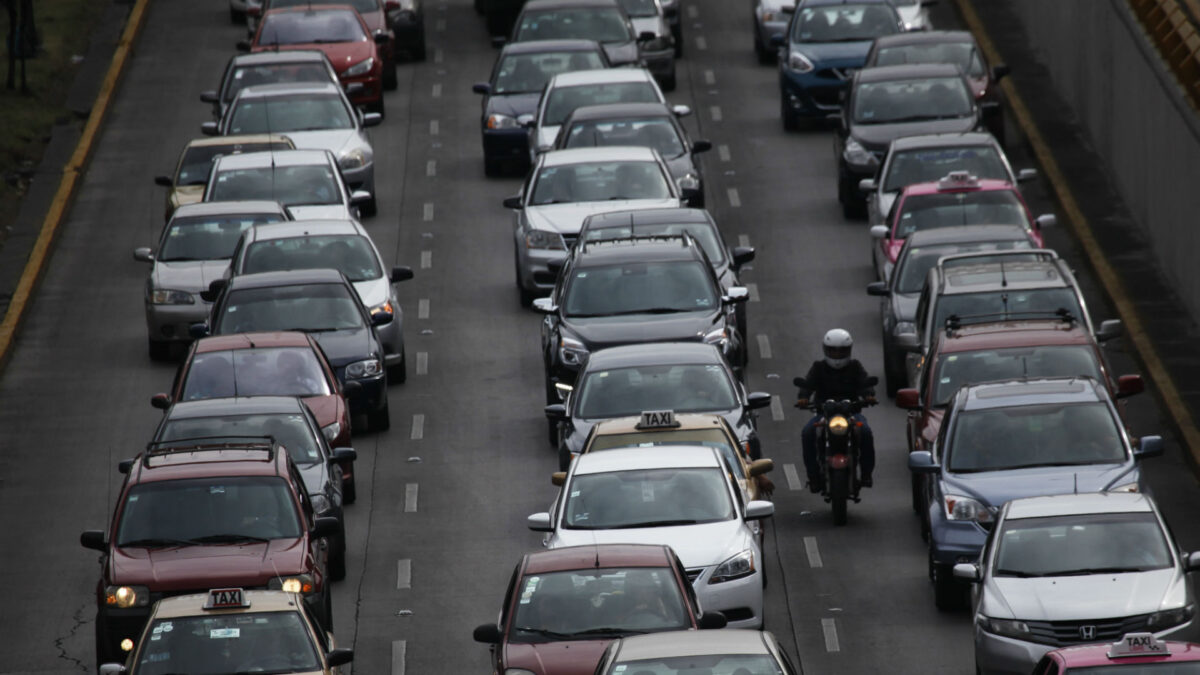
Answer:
x=839 y=493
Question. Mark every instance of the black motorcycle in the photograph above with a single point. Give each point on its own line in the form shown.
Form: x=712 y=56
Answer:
x=838 y=438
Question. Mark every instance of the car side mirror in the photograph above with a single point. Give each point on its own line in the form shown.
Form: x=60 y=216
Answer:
x=539 y=522
x=243 y=46
x=736 y=294
x=381 y=318
x=200 y=329
x=711 y=621
x=513 y=202
x=112 y=668
x=1026 y=175
x=545 y=306
x=488 y=633
x=556 y=412
x=758 y=399
x=741 y=255
x=208 y=97
x=1045 y=220
x=381 y=38
x=401 y=273
x=1109 y=329
x=209 y=129
x=359 y=197
x=125 y=466
x=143 y=254
x=162 y=401
x=921 y=461
x=908 y=399
x=760 y=466
x=93 y=539
x=339 y=455
x=1191 y=562
x=867 y=185
x=646 y=36
x=164 y=181
x=681 y=110
x=879 y=288
x=371 y=119
x=967 y=572
x=326 y=527
x=1149 y=446
x=701 y=146
x=1000 y=70
x=879 y=231
x=482 y=88
x=1128 y=385
x=558 y=478
x=339 y=657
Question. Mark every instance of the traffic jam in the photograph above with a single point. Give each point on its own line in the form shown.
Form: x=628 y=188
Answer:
x=267 y=293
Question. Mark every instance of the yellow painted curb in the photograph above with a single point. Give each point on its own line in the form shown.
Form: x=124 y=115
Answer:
x=1134 y=329
x=66 y=187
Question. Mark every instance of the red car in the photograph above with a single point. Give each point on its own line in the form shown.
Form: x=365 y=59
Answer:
x=957 y=199
x=1136 y=652
x=340 y=32
x=206 y=514
x=564 y=607
x=267 y=364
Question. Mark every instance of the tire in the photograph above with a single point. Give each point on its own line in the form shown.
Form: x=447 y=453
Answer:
x=677 y=34
x=419 y=52
x=916 y=496
x=668 y=81
x=327 y=610
x=839 y=494
x=398 y=373
x=159 y=351
x=493 y=168
x=390 y=81
x=527 y=296
x=790 y=121
x=765 y=56
x=379 y=420
x=894 y=375
x=349 y=492
x=479 y=7
x=337 y=558
x=948 y=593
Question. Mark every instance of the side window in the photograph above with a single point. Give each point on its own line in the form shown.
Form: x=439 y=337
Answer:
x=923 y=305
x=302 y=493
x=322 y=634
x=236 y=266
x=944 y=431
x=508 y=598
x=890 y=221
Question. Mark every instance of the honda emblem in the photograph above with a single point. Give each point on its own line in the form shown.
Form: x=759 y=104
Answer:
x=1087 y=632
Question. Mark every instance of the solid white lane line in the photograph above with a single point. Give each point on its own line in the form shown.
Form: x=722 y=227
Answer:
x=764 y=347
x=422 y=363
x=427 y=212
x=829 y=627
x=403 y=574
x=434 y=127
x=431 y=168
x=399 y=648
x=701 y=43
x=814 y=556
x=776 y=409
x=734 y=199
x=743 y=240
x=715 y=113
x=709 y=77
x=426 y=259
x=693 y=12
x=437 y=55
x=723 y=152
x=437 y=90
x=410 y=498
x=418 y=427
x=793 y=478
x=753 y=288
x=423 y=308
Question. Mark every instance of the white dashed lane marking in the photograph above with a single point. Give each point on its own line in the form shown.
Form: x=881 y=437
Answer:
x=440 y=25
x=743 y=240
x=431 y=168
x=723 y=152
x=813 y=553
x=829 y=627
x=410 y=498
x=438 y=56
x=701 y=43
x=418 y=427
x=734 y=199
x=399 y=648
x=422 y=363
x=709 y=78
x=437 y=90
x=423 y=308
x=764 y=347
x=426 y=259
x=753 y=288
x=403 y=574
x=776 y=409
x=793 y=478
x=693 y=11
x=427 y=212
x=434 y=128
x=715 y=113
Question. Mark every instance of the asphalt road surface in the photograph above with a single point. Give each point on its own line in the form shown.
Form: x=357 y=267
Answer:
x=443 y=495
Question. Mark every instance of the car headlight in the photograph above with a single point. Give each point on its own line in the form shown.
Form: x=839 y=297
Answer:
x=1012 y=628
x=544 y=239
x=571 y=352
x=768 y=15
x=904 y=328
x=296 y=583
x=688 y=182
x=331 y=431
x=166 y=296
x=361 y=68
x=498 y=121
x=353 y=159
x=385 y=306
x=838 y=425
x=364 y=368
x=740 y=565
x=1169 y=618
x=965 y=508
x=124 y=597
x=718 y=336
x=799 y=63
x=855 y=153
x=1127 y=487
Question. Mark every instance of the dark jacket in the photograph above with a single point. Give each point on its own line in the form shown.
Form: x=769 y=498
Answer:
x=825 y=382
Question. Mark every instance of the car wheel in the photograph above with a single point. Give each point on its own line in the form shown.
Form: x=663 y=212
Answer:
x=399 y=372
x=327 y=610
x=791 y=121
x=378 y=107
x=668 y=81
x=159 y=351
x=492 y=168
x=527 y=296
x=894 y=374
x=337 y=558
x=947 y=591
x=390 y=81
x=379 y=420
x=349 y=492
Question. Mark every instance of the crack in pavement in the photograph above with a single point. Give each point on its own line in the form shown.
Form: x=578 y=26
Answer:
x=58 y=643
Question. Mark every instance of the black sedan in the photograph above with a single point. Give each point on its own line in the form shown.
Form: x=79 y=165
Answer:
x=321 y=302
x=679 y=376
x=291 y=424
x=653 y=125
x=889 y=102
x=511 y=95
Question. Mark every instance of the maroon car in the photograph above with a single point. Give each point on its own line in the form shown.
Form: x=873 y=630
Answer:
x=228 y=513
x=372 y=13
x=564 y=607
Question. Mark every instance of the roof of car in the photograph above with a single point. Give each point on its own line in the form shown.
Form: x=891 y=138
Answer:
x=975 y=185
x=193 y=604
x=300 y=228
x=943 y=140
x=966 y=234
x=684 y=421
x=591 y=556
x=287 y=89
x=1083 y=656
x=619 y=111
x=1010 y=334
x=266 y=340
x=612 y=153
x=691 y=643
x=248 y=207
x=547 y=46
x=576 y=78
x=235 y=405
x=665 y=248
x=637 y=459
x=1041 y=391
x=653 y=353
x=922 y=37
x=1079 y=504
x=567 y=4
x=285 y=56
x=648 y=217
x=239 y=139
x=907 y=71
x=309 y=9
x=257 y=160
x=286 y=278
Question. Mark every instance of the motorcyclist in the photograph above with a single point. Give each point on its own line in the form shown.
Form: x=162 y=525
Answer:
x=836 y=376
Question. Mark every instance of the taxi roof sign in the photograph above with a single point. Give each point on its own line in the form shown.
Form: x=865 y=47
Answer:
x=1138 y=644
x=226 y=598
x=657 y=419
x=958 y=179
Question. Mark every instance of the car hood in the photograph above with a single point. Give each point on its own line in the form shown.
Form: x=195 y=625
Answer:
x=700 y=545
x=324 y=408
x=165 y=569
x=568 y=218
x=320 y=212
x=374 y=291
x=600 y=332
x=192 y=275
x=571 y=657
x=996 y=487
x=187 y=194
x=1090 y=596
x=513 y=105
x=314 y=476
x=343 y=347
x=333 y=140
x=835 y=54
x=546 y=135
x=621 y=53
x=876 y=137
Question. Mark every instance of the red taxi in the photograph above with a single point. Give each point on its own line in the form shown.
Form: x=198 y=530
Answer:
x=957 y=199
x=1135 y=653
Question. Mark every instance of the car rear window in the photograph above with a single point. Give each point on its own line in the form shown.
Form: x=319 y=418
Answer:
x=961 y=54
x=850 y=22
x=602 y=24
x=564 y=100
x=1017 y=437
x=281 y=114
x=647 y=498
x=621 y=392
x=262 y=371
x=604 y=602
x=529 y=73
x=199 y=511
x=289 y=185
x=249 y=76
x=350 y=254
x=915 y=265
x=704 y=233
x=990 y=365
x=303 y=307
x=197 y=159
x=913 y=100
x=1007 y=304
x=952 y=209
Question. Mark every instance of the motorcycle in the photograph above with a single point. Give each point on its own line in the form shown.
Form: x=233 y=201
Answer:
x=838 y=436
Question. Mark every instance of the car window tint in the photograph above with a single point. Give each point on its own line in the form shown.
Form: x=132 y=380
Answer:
x=658 y=133
x=647 y=498
x=913 y=267
x=291 y=28
x=308 y=307
x=600 y=181
x=912 y=100
x=350 y=254
x=280 y=114
x=989 y=365
x=363 y=6
x=908 y=167
x=248 y=76
x=961 y=54
x=288 y=185
x=1017 y=437
x=207 y=238
x=563 y=101
x=640 y=287
x=602 y=24
x=528 y=73
x=951 y=209
x=559 y=605
x=217 y=643
x=161 y=513
x=292 y=431
x=844 y=23
x=621 y=392
x=262 y=371
x=1065 y=544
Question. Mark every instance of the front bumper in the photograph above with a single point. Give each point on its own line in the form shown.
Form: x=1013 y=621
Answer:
x=170 y=323
x=533 y=267
x=391 y=336
x=371 y=395
x=660 y=63
x=812 y=94
x=372 y=88
x=999 y=655
x=506 y=144
x=741 y=600
x=361 y=178
x=954 y=541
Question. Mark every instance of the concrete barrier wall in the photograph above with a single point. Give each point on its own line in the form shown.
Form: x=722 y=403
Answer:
x=1136 y=116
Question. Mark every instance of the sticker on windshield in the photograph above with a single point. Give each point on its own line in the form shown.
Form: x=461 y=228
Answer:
x=216 y=490
x=224 y=633
x=167 y=627
x=619 y=669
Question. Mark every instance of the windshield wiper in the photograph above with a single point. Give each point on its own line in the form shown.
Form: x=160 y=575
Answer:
x=181 y=258
x=658 y=523
x=228 y=538
x=1097 y=570
x=653 y=310
x=607 y=630
x=157 y=543
x=543 y=632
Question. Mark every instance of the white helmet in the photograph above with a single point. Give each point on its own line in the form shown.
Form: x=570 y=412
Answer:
x=837 y=344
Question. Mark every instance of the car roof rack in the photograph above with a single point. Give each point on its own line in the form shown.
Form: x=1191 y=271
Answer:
x=954 y=321
x=265 y=444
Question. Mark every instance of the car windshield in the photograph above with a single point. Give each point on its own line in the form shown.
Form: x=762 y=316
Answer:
x=621 y=392
x=280 y=114
x=912 y=267
x=1004 y=304
x=704 y=233
x=196 y=162
x=317 y=27
x=617 y=500
x=951 y=209
x=291 y=430
x=931 y=98
x=908 y=167
x=198 y=511
x=1081 y=544
x=1018 y=437
x=529 y=73
x=289 y=185
x=261 y=371
x=845 y=23
x=350 y=254
x=303 y=307
x=274 y=73
x=361 y=6
x=604 y=602
x=640 y=288
x=602 y=24
x=708 y=664
x=654 y=132
x=563 y=101
x=640 y=8
x=706 y=438
x=961 y=54
x=211 y=644
x=208 y=237
x=990 y=365
x=600 y=181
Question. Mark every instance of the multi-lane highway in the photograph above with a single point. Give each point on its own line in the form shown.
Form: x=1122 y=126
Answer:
x=443 y=495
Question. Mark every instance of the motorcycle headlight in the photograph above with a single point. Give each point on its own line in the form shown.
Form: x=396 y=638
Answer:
x=331 y=431
x=855 y=153
x=320 y=503
x=839 y=425
x=1006 y=627
x=1127 y=487
x=497 y=121
x=572 y=352
x=799 y=63
x=965 y=508
x=688 y=182
x=353 y=159
x=904 y=328
x=740 y=565
x=125 y=597
x=361 y=68
x=296 y=583
x=166 y=296
x=1169 y=618
x=365 y=368
x=543 y=239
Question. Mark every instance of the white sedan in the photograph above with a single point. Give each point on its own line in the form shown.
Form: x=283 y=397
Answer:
x=683 y=497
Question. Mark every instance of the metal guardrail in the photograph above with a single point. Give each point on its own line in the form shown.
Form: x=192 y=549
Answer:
x=1172 y=25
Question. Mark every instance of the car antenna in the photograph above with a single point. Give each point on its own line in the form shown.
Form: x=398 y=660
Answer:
x=1003 y=275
